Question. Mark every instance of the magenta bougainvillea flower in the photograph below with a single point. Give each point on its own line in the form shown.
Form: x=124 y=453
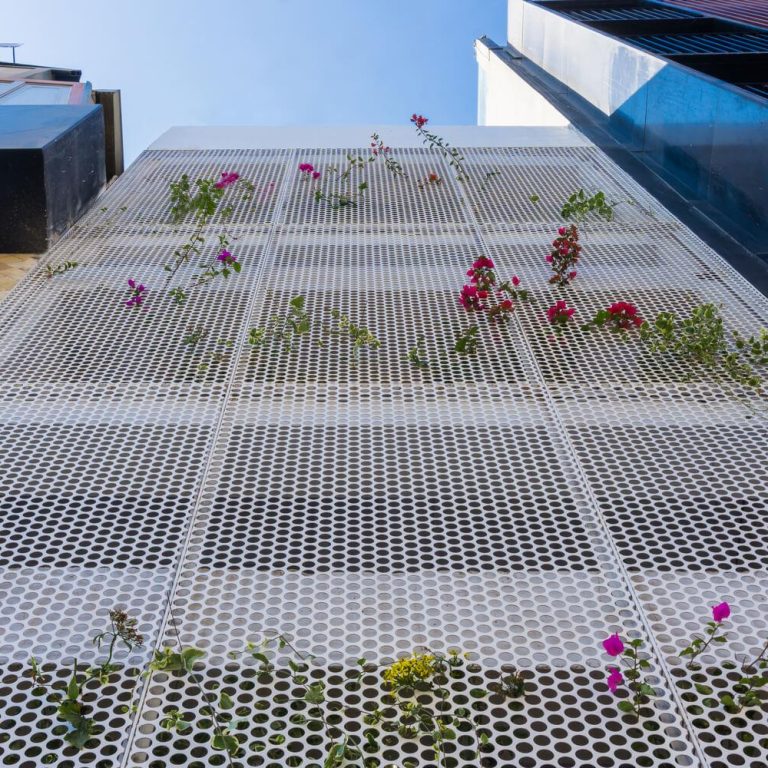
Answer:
x=226 y=179
x=226 y=257
x=564 y=255
x=613 y=645
x=471 y=298
x=379 y=147
x=560 y=313
x=615 y=679
x=309 y=170
x=515 y=281
x=481 y=273
x=721 y=612
x=137 y=292
x=419 y=120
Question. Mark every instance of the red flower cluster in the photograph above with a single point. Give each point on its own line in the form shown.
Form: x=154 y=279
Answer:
x=564 y=255
x=379 y=148
x=226 y=180
x=624 y=315
x=481 y=273
x=137 y=292
x=486 y=286
x=309 y=169
x=471 y=298
x=560 y=313
x=419 y=120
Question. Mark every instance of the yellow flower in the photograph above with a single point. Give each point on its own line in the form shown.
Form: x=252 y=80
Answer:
x=406 y=672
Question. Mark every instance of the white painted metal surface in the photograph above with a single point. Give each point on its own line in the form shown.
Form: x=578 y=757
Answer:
x=520 y=505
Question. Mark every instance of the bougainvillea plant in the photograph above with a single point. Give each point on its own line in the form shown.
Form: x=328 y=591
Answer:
x=560 y=315
x=284 y=330
x=714 y=634
x=486 y=293
x=628 y=652
x=202 y=201
x=754 y=678
x=336 y=199
x=619 y=317
x=70 y=704
x=432 y=179
x=467 y=341
x=700 y=341
x=454 y=157
x=564 y=255
x=137 y=294
x=51 y=270
x=418 y=354
x=358 y=336
x=380 y=150
x=579 y=205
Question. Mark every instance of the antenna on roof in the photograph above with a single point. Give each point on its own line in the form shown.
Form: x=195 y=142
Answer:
x=12 y=46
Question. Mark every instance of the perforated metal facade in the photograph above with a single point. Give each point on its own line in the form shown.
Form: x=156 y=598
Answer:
x=520 y=505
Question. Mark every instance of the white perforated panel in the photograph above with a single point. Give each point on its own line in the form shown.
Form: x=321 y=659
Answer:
x=519 y=505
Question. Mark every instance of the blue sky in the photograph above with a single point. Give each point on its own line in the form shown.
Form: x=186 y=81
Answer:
x=268 y=62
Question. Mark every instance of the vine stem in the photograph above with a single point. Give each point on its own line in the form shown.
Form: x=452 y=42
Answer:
x=706 y=645
x=753 y=666
x=217 y=729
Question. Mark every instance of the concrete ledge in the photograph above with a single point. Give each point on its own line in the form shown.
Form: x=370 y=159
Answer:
x=340 y=137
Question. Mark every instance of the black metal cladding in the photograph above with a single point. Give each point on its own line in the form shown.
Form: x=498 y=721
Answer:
x=736 y=53
x=728 y=42
x=629 y=13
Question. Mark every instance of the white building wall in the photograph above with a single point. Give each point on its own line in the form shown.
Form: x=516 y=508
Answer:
x=504 y=98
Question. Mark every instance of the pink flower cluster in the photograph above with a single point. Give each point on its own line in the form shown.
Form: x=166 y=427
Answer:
x=419 y=120
x=137 y=292
x=614 y=647
x=560 y=313
x=564 y=255
x=226 y=258
x=485 y=285
x=309 y=170
x=377 y=149
x=721 y=612
x=471 y=298
x=615 y=679
x=226 y=180
x=624 y=315
x=481 y=273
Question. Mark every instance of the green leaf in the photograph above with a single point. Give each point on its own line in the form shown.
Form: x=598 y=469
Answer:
x=626 y=706
x=224 y=742
x=534 y=198
x=705 y=690
x=81 y=735
x=70 y=711
x=335 y=755
x=225 y=702
x=727 y=700
x=315 y=693
x=189 y=656
x=73 y=689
